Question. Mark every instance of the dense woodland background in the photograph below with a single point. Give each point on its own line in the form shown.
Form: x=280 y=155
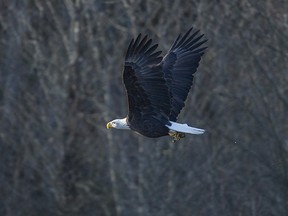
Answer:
x=60 y=82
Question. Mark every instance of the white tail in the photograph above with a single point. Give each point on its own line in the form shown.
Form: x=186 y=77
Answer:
x=184 y=128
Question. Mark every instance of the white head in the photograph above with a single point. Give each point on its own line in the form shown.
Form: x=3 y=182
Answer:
x=118 y=124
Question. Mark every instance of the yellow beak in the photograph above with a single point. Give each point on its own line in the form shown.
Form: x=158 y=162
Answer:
x=109 y=125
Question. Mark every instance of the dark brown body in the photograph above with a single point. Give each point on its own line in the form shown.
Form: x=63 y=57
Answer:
x=146 y=126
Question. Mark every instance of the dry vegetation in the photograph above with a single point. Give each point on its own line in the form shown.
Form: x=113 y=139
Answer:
x=60 y=82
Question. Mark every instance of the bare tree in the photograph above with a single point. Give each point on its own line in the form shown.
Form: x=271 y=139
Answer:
x=61 y=81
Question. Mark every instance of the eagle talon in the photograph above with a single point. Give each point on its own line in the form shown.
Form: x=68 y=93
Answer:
x=176 y=136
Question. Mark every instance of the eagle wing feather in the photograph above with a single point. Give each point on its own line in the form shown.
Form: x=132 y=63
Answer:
x=179 y=65
x=144 y=80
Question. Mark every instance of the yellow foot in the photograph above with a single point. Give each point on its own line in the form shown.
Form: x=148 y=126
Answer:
x=176 y=136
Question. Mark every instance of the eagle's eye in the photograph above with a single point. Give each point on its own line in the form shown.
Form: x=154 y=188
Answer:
x=114 y=124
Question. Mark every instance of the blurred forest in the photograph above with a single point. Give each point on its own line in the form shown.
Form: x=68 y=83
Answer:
x=60 y=83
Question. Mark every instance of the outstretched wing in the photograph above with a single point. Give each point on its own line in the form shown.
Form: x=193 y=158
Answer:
x=144 y=80
x=179 y=65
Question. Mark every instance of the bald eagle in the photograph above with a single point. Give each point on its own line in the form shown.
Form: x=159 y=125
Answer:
x=157 y=87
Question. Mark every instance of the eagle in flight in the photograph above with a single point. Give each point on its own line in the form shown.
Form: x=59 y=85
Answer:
x=157 y=87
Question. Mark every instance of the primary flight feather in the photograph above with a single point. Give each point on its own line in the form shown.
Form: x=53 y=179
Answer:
x=157 y=87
